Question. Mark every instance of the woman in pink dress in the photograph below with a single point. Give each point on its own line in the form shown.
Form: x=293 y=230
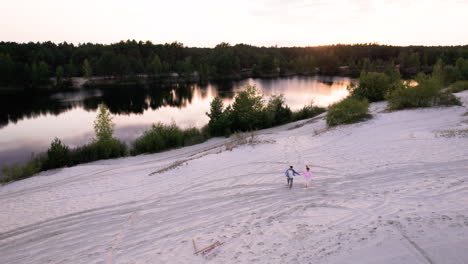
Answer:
x=307 y=176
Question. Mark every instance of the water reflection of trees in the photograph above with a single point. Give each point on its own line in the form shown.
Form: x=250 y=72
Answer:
x=128 y=99
x=120 y=100
x=15 y=107
x=137 y=99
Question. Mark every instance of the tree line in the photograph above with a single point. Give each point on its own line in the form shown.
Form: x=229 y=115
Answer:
x=37 y=65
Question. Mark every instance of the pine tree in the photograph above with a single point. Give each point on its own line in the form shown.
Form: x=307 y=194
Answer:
x=103 y=125
x=58 y=155
x=216 y=109
x=220 y=123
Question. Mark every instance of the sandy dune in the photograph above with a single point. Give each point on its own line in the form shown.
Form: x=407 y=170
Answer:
x=393 y=189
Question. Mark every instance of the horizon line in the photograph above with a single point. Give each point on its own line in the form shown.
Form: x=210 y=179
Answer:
x=223 y=42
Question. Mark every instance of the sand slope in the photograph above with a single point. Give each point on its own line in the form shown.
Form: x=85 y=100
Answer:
x=393 y=189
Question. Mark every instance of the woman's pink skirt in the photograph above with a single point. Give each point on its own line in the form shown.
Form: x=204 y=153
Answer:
x=307 y=177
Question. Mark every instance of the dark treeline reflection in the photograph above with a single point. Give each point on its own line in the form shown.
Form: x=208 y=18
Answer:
x=14 y=107
x=130 y=99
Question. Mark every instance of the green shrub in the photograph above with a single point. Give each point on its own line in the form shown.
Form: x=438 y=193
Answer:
x=276 y=112
x=192 y=136
x=447 y=98
x=163 y=137
x=308 y=111
x=58 y=155
x=17 y=172
x=205 y=131
x=427 y=93
x=84 y=154
x=110 y=148
x=458 y=86
x=347 y=111
x=411 y=97
x=372 y=86
x=101 y=149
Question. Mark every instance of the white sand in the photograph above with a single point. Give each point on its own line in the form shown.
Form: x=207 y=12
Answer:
x=393 y=189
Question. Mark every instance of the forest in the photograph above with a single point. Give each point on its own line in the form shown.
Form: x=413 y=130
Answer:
x=35 y=66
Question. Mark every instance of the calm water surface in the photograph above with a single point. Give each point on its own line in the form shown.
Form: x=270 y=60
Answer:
x=28 y=125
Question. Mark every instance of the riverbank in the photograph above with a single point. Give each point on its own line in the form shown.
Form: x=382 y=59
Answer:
x=390 y=189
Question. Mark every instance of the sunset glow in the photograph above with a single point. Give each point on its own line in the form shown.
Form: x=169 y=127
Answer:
x=206 y=23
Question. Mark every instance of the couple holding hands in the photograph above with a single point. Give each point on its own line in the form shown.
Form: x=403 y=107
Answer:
x=291 y=172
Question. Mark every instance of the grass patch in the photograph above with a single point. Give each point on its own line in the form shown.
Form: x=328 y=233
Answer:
x=449 y=133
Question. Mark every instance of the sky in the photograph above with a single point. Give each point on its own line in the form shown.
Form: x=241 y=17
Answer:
x=205 y=23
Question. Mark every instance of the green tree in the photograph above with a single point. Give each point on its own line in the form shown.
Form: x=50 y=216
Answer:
x=216 y=109
x=71 y=70
x=103 y=125
x=413 y=60
x=6 y=69
x=87 y=70
x=307 y=64
x=438 y=71
x=366 y=65
x=462 y=66
x=394 y=75
x=247 y=110
x=451 y=74
x=58 y=155
x=277 y=112
x=156 y=65
x=204 y=71
x=39 y=74
x=219 y=124
x=59 y=74
x=186 y=66
x=268 y=64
